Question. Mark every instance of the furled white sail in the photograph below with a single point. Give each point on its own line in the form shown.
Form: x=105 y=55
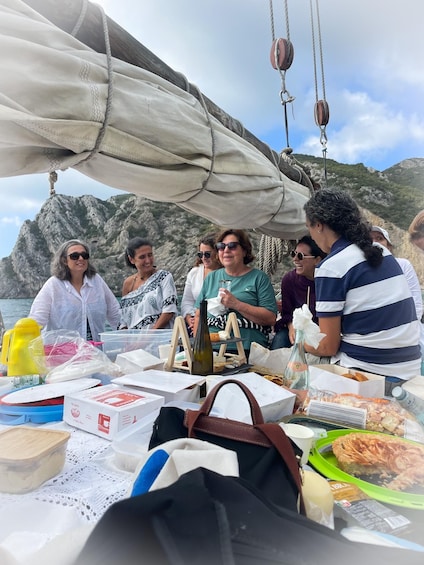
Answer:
x=62 y=106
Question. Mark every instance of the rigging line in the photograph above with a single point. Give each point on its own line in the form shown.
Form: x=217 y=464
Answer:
x=281 y=59
x=322 y=113
x=109 y=96
x=320 y=49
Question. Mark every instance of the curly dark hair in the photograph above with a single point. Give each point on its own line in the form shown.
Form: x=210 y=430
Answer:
x=59 y=265
x=315 y=250
x=244 y=241
x=132 y=247
x=338 y=210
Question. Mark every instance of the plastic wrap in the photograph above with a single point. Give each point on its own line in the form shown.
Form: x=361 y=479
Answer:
x=68 y=356
x=374 y=414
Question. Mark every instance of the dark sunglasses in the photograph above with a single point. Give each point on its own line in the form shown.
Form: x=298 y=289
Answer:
x=300 y=256
x=207 y=254
x=231 y=245
x=75 y=256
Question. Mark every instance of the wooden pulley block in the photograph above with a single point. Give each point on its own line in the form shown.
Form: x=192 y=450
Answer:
x=322 y=113
x=282 y=53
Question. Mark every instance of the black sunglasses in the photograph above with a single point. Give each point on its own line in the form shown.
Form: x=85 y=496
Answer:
x=300 y=256
x=207 y=254
x=231 y=245
x=75 y=256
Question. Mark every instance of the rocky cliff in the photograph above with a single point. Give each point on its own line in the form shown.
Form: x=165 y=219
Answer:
x=107 y=225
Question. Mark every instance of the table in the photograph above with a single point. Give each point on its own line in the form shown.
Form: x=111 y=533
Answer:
x=77 y=497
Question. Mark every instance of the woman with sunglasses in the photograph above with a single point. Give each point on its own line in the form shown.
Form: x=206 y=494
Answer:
x=251 y=297
x=363 y=301
x=297 y=289
x=75 y=297
x=206 y=262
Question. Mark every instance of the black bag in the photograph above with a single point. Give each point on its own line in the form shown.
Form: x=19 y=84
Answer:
x=208 y=519
x=267 y=457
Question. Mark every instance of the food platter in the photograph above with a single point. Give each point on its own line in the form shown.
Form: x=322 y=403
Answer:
x=324 y=461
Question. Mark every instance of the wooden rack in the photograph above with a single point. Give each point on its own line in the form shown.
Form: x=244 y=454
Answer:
x=180 y=337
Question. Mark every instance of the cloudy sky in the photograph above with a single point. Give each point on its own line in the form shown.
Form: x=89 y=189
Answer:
x=373 y=73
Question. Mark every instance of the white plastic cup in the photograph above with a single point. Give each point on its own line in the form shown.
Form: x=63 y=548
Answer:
x=302 y=436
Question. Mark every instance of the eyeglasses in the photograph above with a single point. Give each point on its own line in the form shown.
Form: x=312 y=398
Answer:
x=75 y=256
x=300 y=256
x=231 y=245
x=206 y=254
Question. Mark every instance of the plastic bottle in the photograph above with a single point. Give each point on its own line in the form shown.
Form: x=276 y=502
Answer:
x=297 y=371
x=14 y=353
x=202 y=346
x=410 y=402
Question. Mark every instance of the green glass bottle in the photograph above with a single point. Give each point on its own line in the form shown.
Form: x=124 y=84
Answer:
x=202 y=346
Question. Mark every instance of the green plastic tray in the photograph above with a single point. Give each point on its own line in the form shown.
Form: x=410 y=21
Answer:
x=324 y=461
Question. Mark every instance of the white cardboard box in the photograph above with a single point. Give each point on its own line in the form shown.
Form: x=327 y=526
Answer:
x=172 y=386
x=329 y=377
x=274 y=400
x=138 y=360
x=106 y=410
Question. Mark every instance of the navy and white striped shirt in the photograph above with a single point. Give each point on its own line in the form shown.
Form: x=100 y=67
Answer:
x=379 y=326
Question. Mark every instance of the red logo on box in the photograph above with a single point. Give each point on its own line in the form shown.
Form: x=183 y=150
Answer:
x=104 y=423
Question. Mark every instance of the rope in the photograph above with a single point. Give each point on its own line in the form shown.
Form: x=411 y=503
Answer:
x=108 y=109
x=81 y=18
x=285 y=96
x=271 y=251
x=213 y=137
x=322 y=113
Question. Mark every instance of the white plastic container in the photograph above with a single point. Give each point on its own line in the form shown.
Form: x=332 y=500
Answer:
x=29 y=457
x=128 y=340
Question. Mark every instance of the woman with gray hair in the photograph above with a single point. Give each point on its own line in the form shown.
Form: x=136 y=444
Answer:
x=75 y=297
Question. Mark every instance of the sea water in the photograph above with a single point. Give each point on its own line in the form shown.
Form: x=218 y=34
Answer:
x=13 y=309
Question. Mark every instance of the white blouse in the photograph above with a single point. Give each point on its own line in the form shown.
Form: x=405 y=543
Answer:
x=59 y=306
x=192 y=288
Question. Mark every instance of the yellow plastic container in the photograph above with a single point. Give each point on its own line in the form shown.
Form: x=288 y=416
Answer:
x=14 y=352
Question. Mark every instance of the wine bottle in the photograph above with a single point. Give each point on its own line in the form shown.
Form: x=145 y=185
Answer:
x=202 y=346
x=297 y=371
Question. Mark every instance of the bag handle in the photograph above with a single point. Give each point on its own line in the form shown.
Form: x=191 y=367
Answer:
x=255 y=410
x=282 y=443
x=274 y=434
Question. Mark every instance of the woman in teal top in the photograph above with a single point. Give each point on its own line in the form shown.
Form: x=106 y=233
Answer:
x=251 y=297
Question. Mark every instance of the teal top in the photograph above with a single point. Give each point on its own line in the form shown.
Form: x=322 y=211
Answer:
x=254 y=288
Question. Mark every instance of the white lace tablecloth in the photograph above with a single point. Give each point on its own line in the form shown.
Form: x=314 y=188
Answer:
x=88 y=484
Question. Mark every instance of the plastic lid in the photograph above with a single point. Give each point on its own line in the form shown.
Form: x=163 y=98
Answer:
x=398 y=392
x=27 y=324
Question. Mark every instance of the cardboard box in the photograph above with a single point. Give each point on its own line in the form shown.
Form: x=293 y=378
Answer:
x=328 y=377
x=172 y=386
x=106 y=410
x=274 y=400
x=358 y=509
x=138 y=360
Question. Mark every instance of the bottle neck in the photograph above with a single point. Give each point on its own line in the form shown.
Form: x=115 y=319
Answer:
x=299 y=336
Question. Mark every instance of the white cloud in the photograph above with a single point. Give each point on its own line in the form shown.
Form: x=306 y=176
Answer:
x=15 y=221
x=373 y=78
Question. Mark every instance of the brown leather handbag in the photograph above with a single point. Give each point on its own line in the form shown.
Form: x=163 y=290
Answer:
x=267 y=458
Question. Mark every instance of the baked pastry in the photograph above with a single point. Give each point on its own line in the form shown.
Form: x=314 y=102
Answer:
x=399 y=463
x=214 y=336
x=356 y=376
